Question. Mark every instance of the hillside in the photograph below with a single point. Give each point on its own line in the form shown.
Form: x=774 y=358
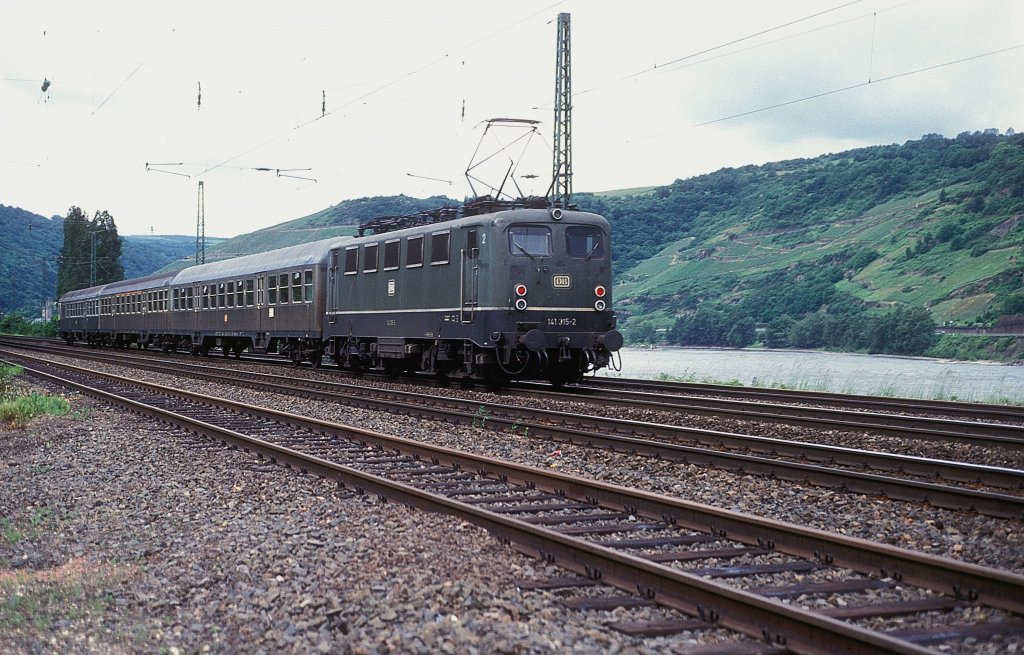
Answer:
x=342 y=219
x=936 y=224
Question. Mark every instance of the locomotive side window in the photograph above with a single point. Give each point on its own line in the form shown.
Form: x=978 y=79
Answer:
x=584 y=242
x=529 y=241
x=282 y=285
x=370 y=258
x=439 y=244
x=391 y=254
x=414 y=252
x=297 y=286
x=351 y=260
x=271 y=289
x=308 y=286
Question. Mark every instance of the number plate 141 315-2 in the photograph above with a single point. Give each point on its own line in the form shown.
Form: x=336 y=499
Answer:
x=562 y=322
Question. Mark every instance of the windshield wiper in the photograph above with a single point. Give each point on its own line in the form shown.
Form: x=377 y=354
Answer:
x=522 y=249
x=592 y=251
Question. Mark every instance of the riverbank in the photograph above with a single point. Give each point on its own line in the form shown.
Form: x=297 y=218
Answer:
x=881 y=375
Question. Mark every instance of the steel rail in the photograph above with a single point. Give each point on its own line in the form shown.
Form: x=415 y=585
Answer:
x=950 y=408
x=923 y=427
x=559 y=426
x=960 y=580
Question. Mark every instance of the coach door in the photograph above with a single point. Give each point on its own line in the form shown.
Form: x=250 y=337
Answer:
x=332 y=288
x=470 y=277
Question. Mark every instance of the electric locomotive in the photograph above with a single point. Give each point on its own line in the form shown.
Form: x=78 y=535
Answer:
x=523 y=292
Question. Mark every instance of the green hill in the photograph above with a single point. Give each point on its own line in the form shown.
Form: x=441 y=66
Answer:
x=934 y=224
x=32 y=244
x=342 y=219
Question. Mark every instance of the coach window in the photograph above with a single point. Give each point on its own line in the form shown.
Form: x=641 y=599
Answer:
x=174 y=300
x=439 y=243
x=392 y=249
x=271 y=289
x=282 y=285
x=529 y=241
x=221 y=293
x=240 y=293
x=190 y=296
x=297 y=286
x=248 y=293
x=584 y=242
x=351 y=260
x=231 y=294
x=308 y=286
x=370 y=258
x=414 y=252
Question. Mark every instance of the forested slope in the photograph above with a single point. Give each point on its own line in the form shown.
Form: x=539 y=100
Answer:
x=848 y=250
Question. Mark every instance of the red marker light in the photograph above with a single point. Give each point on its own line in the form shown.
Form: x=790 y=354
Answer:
x=520 y=289
x=599 y=291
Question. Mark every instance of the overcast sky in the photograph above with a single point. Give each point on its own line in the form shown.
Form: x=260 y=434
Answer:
x=658 y=87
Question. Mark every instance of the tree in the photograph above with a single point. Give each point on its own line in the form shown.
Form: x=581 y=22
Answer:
x=77 y=254
x=73 y=272
x=108 y=249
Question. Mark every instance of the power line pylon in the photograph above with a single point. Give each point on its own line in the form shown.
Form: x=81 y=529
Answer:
x=561 y=181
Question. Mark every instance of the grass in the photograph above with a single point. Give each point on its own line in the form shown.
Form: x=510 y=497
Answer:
x=16 y=410
x=36 y=599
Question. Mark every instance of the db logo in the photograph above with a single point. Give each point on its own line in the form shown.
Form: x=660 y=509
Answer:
x=561 y=281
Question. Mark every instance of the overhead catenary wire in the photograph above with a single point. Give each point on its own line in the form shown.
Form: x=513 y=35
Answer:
x=848 y=88
x=693 y=55
x=325 y=114
x=132 y=74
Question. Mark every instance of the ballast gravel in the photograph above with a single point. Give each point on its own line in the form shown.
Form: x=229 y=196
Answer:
x=433 y=553
x=121 y=536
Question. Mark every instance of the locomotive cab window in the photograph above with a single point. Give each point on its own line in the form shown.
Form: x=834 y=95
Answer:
x=439 y=245
x=586 y=242
x=529 y=241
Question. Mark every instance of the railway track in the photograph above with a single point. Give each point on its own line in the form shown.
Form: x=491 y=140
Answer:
x=909 y=478
x=952 y=409
x=965 y=422
x=720 y=568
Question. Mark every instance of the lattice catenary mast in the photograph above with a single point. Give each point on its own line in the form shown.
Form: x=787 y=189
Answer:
x=201 y=229
x=561 y=180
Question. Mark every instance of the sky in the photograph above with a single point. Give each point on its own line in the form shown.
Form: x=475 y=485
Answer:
x=342 y=99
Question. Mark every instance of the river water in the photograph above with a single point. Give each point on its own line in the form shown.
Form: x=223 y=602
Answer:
x=912 y=377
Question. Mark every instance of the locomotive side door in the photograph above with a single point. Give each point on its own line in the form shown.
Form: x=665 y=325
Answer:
x=469 y=282
x=332 y=287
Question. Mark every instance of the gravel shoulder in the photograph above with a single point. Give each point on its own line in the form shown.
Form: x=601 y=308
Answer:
x=120 y=536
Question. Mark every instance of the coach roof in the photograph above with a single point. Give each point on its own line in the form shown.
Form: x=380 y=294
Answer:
x=306 y=254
